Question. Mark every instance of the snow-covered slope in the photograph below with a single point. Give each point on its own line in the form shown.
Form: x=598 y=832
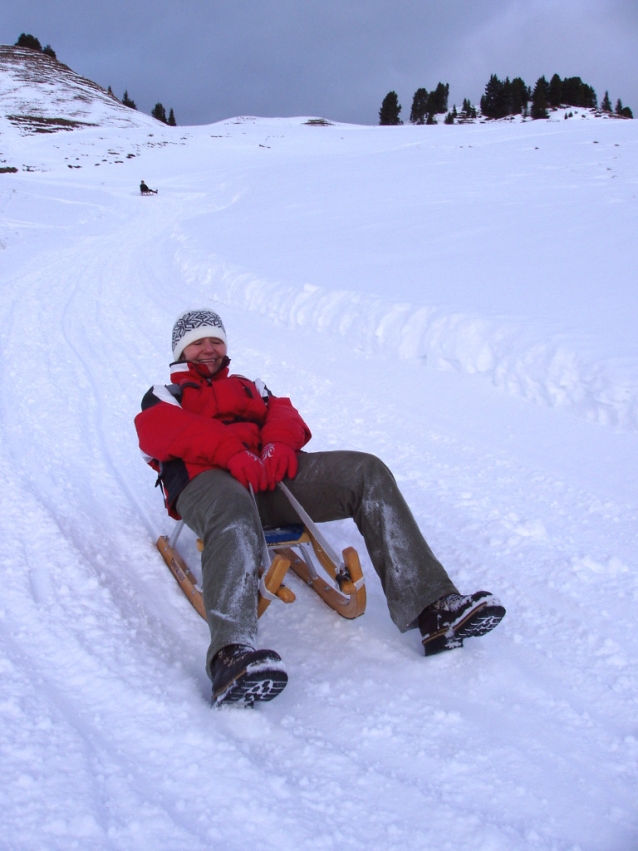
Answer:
x=38 y=94
x=460 y=301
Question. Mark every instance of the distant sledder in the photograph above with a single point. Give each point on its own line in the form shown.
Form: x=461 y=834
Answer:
x=146 y=190
x=230 y=461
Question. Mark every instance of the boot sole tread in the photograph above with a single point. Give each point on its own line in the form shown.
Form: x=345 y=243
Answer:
x=249 y=687
x=478 y=621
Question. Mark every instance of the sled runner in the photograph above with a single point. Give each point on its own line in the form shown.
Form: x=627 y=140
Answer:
x=302 y=547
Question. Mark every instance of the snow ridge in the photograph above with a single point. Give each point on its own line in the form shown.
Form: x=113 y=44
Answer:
x=518 y=358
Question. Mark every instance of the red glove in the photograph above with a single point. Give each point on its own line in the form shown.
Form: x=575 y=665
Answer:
x=280 y=461
x=248 y=470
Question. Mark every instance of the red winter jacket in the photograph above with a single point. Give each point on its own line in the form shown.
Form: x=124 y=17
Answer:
x=200 y=421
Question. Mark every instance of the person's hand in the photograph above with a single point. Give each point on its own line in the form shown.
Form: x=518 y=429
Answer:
x=248 y=469
x=280 y=461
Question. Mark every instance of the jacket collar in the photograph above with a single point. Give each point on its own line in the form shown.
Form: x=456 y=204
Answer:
x=186 y=371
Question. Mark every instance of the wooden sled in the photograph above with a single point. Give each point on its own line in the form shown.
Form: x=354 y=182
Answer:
x=340 y=584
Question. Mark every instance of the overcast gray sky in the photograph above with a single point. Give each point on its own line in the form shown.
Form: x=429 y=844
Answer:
x=213 y=59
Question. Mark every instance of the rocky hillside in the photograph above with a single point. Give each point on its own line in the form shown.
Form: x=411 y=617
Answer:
x=38 y=94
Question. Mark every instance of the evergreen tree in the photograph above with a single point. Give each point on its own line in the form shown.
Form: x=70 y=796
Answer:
x=493 y=104
x=30 y=41
x=127 y=101
x=623 y=111
x=419 y=107
x=171 y=119
x=505 y=98
x=159 y=113
x=437 y=100
x=606 y=103
x=468 y=111
x=390 y=110
x=539 y=99
x=507 y=95
x=520 y=96
x=555 y=91
x=436 y=103
x=589 y=97
x=577 y=93
x=571 y=91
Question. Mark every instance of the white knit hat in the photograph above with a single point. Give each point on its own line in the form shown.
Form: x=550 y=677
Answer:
x=192 y=325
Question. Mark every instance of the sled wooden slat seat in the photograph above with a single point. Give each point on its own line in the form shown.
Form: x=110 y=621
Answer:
x=280 y=536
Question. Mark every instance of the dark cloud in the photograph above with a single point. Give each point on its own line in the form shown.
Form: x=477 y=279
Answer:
x=211 y=60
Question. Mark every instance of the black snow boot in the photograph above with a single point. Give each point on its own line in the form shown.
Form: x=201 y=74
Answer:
x=244 y=675
x=444 y=624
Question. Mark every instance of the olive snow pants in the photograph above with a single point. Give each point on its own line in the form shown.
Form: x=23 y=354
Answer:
x=330 y=486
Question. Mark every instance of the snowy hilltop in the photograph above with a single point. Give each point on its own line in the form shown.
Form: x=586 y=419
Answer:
x=38 y=94
x=458 y=300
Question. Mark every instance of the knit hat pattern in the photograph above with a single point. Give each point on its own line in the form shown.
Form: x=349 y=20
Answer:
x=193 y=325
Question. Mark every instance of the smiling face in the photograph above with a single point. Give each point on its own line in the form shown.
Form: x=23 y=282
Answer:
x=209 y=351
